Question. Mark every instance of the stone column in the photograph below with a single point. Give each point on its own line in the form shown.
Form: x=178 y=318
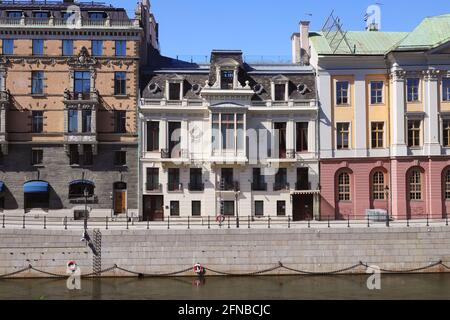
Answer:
x=398 y=146
x=431 y=124
x=163 y=134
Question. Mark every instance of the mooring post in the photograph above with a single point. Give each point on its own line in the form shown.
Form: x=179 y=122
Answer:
x=127 y=220
x=228 y=222
x=268 y=222
x=309 y=223
x=407 y=221
x=446 y=219
x=428 y=220
x=368 y=221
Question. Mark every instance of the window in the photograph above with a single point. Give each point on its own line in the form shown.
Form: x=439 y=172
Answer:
x=175 y=208
x=88 y=156
x=37 y=121
x=38 y=47
x=376 y=92
x=152 y=136
x=67 y=47
x=196 y=180
x=8 y=46
x=227 y=208
x=412 y=89
x=228 y=127
x=96 y=16
x=37 y=82
x=174 y=179
x=344 y=187
x=82 y=82
x=377 y=135
x=259 y=208
x=446 y=133
x=280 y=131
x=415 y=185
x=120 y=120
x=174 y=91
x=120 y=83
x=73 y=120
x=281 y=208
x=121 y=48
x=120 y=158
x=228 y=131
x=226 y=79
x=152 y=179
x=86 y=119
x=258 y=180
x=446 y=89
x=14 y=14
x=302 y=137
x=280 y=92
x=342 y=90
x=447 y=185
x=74 y=156
x=414 y=133
x=41 y=14
x=227 y=179
x=281 y=180
x=97 y=47
x=37 y=157
x=196 y=208
x=343 y=135
x=378 y=190
x=302 y=179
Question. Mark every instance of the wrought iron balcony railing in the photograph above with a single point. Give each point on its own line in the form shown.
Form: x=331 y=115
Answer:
x=229 y=186
x=153 y=187
x=279 y=186
x=196 y=186
x=259 y=186
x=174 y=187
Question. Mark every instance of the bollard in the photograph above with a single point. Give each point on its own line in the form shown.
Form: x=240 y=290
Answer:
x=289 y=222
x=228 y=222
x=249 y=222
x=328 y=221
x=45 y=222
x=3 y=223
x=428 y=221
x=23 y=226
x=148 y=222
x=65 y=223
x=237 y=222
x=168 y=222
x=309 y=223
x=189 y=223
x=209 y=224
x=368 y=222
x=106 y=223
x=348 y=221
x=268 y=222
x=127 y=221
x=407 y=221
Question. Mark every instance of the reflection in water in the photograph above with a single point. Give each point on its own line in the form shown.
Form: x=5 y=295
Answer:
x=413 y=286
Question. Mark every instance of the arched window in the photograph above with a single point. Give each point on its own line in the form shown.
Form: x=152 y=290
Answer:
x=447 y=185
x=415 y=185
x=378 y=185
x=344 y=186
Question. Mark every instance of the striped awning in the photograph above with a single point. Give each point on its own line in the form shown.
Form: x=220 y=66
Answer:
x=36 y=186
x=305 y=192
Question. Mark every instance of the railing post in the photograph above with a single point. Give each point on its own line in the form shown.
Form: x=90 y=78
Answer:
x=106 y=223
x=268 y=222
x=65 y=223
x=368 y=221
x=407 y=221
x=23 y=223
x=45 y=222
x=289 y=222
x=249 y=222
x=428 y=220
x=228 y=222
x=209 y=223
x=168 y=222
x=3 y=222
x=328 y=221
x=446 y=219
x=127 y=220
x=148 y=222
x=189 y=223
x=348 y=221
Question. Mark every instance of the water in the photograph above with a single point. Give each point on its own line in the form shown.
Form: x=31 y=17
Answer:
x=412 y=286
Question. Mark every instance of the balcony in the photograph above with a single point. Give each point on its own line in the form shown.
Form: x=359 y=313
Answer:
x=153 y=187
x=281 y=186
x=259 y=186
x=198 y=187
x=229 y=186
x=174 y=154
x=72 y=97
x=174 y=187
x=302 y=186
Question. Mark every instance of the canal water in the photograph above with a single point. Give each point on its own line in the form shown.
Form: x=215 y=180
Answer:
x=354 y=287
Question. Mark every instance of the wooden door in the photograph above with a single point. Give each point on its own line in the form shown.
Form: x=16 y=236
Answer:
x=153 y=208
x=120 y=202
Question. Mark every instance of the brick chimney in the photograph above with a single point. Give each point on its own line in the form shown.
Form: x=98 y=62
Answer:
x=305 y=50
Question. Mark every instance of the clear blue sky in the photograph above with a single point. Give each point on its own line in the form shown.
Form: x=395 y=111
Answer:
x=264 y=27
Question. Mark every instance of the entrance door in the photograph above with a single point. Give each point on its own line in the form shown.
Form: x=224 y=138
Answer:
x=302 y=207
x=153 y=208
x=120 y=202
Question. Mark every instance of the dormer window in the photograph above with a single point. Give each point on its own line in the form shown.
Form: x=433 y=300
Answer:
x=174 y=91
x=226 y=79
x=280 y=88
x=14 y=14
x=280 y=92
x=41 y=14
x=97 y=16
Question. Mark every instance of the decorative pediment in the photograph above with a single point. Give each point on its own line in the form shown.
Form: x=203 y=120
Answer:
x=280 y=79
x=227 y=62
x=83 y=60
x=176 y=78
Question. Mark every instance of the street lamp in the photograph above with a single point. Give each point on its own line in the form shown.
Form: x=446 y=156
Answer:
x=386 y=190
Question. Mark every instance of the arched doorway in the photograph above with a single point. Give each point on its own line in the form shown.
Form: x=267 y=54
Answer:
x=120 y=197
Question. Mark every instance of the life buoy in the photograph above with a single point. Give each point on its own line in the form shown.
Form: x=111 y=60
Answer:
x=198 y=269
x=220 y=218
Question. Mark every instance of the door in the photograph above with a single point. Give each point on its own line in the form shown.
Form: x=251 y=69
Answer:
x=120 y=202
x=153 y=208
x=302 y=207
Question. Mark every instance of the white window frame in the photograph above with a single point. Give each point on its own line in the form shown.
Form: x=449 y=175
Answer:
x=349 y=135
x=442 y=89
x=349 y=93
x=384 y=135
x=419 y=90
x=382 y=93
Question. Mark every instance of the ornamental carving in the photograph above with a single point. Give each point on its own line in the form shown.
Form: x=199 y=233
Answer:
x=83 y=60
x=431 y=74
x=398 y=75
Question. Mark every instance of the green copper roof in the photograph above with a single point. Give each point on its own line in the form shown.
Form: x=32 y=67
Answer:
x=430 y=33
x=359 y=43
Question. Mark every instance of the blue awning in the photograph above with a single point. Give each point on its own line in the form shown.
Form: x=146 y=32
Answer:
x=35 y=187
x=84 y=182
x=2 y=186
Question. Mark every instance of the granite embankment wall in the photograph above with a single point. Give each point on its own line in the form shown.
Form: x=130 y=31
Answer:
x=228 y=250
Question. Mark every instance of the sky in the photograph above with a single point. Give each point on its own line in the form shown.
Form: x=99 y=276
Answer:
x=264 y=27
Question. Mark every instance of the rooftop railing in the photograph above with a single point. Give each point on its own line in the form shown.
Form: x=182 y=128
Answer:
x=251 y=59
x=69 y=23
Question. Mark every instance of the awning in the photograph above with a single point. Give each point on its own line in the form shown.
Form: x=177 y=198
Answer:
x=83 y=182
x=305 y=192
x=77 y=188
x=35 y=187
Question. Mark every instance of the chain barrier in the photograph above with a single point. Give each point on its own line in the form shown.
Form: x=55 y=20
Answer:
x=223 y=273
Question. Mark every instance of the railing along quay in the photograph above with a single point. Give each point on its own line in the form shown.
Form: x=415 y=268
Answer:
x=29 y=221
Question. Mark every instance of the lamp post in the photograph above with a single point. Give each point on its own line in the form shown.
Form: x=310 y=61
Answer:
x=237 y=210
x=86 y=195
x=386 y=190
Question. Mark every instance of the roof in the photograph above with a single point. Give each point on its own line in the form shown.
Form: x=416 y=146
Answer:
x=360 y=42
x=430 y=33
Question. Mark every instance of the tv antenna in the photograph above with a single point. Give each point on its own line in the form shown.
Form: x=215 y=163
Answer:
x=334 y=33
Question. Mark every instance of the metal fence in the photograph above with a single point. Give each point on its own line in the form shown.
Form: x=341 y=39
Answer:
x=203 y=223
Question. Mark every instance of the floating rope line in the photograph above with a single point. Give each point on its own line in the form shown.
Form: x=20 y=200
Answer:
x=228 y=274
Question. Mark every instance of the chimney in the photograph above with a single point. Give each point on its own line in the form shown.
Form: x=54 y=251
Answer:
x=305 y=50
x=295 y=40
